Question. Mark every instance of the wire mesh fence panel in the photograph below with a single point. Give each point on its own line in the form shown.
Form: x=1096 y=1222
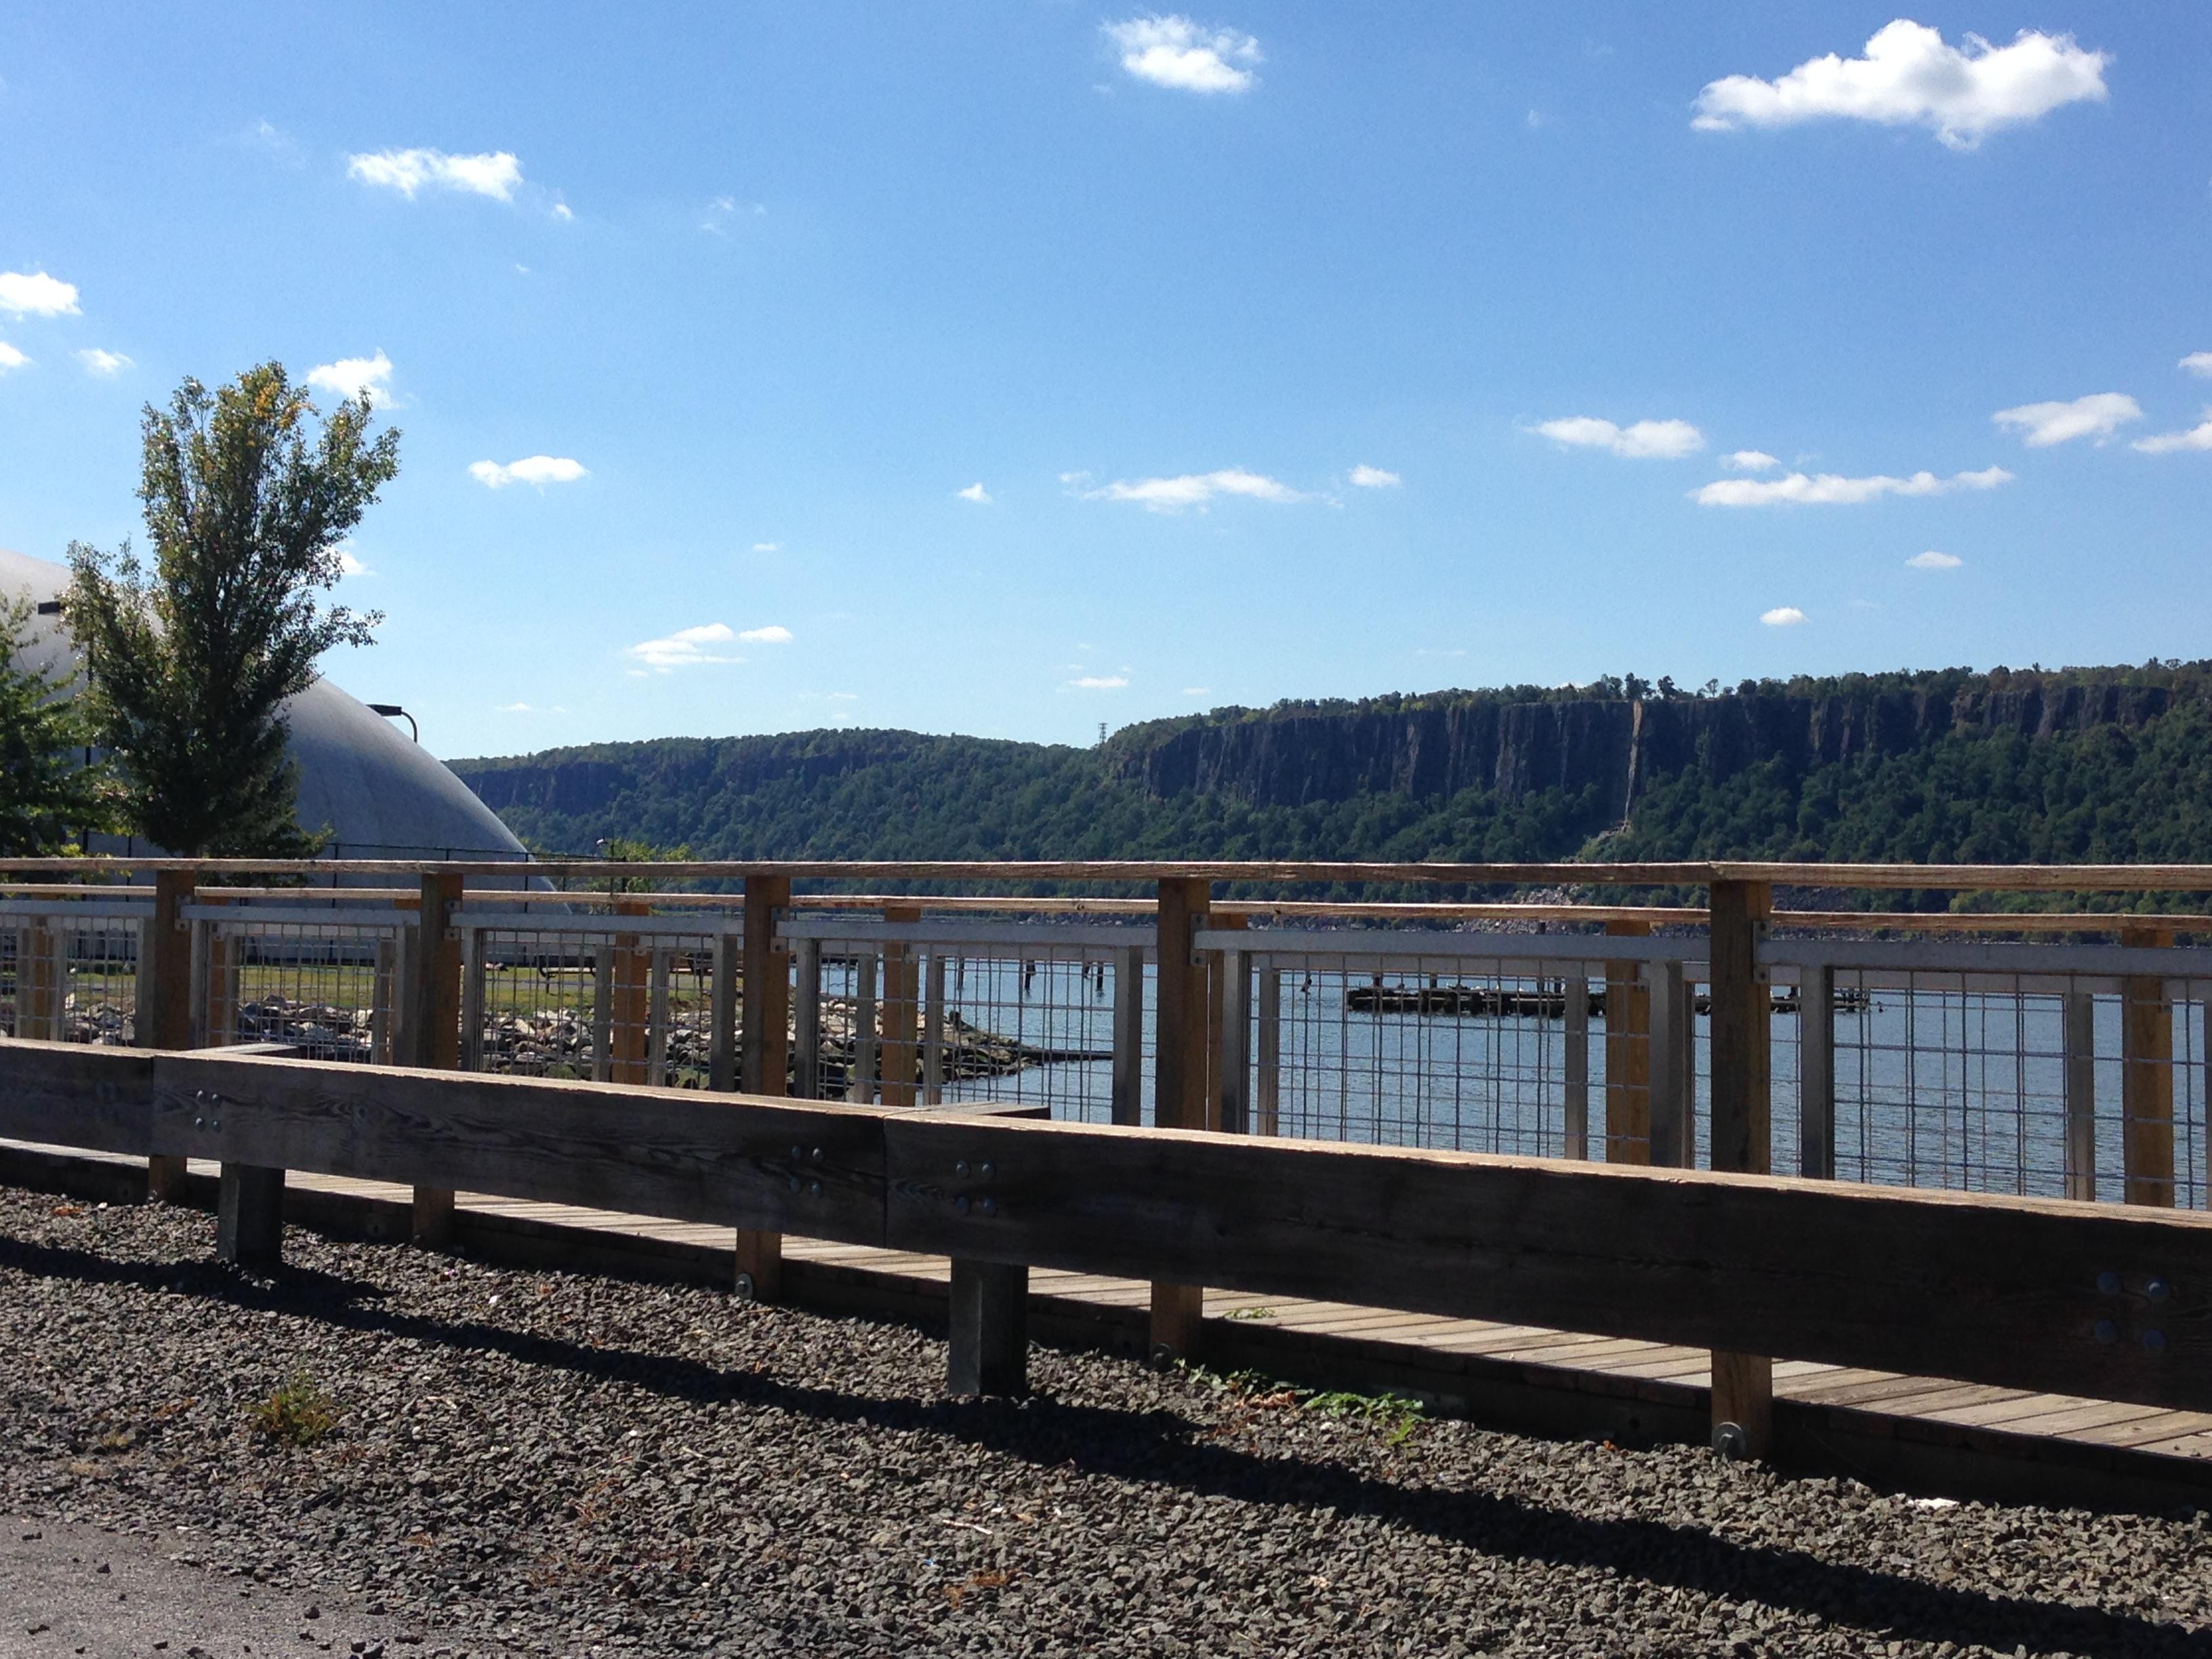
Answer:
x=71 y=978
x=544 y=999
x=327 y=988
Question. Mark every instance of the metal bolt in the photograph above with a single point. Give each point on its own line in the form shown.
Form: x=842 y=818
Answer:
x=794 y=1183
x=199 y=1123
x=2154 y=1341
x=1730 y=1444
x=961 y=1169
x=817 y=1154
x=743 y=1289
x=2158 y=1290
x=961 y=1204
x=2108 y=1283
x=215 y=1123
x=2105 y=1331
x=815 y=1191
x=796 y=1154
x=199 y=1094
x=989 y=1170
x=990 y=1205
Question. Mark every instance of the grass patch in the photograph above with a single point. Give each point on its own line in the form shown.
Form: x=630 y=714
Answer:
x=299 y=1413
x=1397 y=1415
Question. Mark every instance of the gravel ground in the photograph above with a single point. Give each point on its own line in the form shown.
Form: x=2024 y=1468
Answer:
x=546 y=1463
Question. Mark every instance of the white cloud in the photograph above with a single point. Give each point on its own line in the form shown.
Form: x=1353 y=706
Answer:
x=687 y=647
x=1191 y=489
x=768 y=547
x=11 y=358
x=1374 y=477
x=103 y=365
x=1829 y=488
x=35 y=294
x=1931 y=560
x=564 y=212
x=407 y=171
x=1197 y=691
x=1782 y=616
x=1100 y=683
x=724 y=211
x=530 y=708
x=774 y=633
x=349 y=377
x=1666 y=440
x=1748 y=460
x=539 y=469
x=349 y=565
x=2097 y=415
x=974 y=493
x=1173 y=52
x=2167 y=443
x=2197 y=362
x=1910 y=77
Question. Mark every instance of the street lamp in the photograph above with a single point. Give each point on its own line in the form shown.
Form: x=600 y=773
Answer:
x=390 y=709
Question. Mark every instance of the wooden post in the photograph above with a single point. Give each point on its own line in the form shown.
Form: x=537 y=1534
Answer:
x=433 y=1027
x=990 y=1347
x=164 y=1011
x=1229 y=1036
x=763 y=1050
x=1575 y=1068
x=1743 y=1040
x=1673 y=1134
x=472 y=1000
x=861 y=1088
x=2146 y=1078
x=632 y=1015
x=1267 y=1086
x=249 y=1226
x=660 y=1016
x=603 y=1010
x=2080 y=1051
x=932 y=1030
x=899 y=1054
x=1179 y=1083
x=722 y=1014
x=1627 y=1055
x=806 y=1021
x=1816 y=1073
x=1128 y=1092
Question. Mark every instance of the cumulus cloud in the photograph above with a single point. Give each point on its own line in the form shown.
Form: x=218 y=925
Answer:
x=35 y=294
x=2167 y=443
x=687 y=647
x=11 y=358
x=349 y=565
x=1829 y=488
x=1374 y=477
x=1782 y=616
x=1931 y=560
x=539 y=469
x=1748 y=460
x=1191 y=489
x=1173 y=52
x=103 y=365
x=1100 y=683
x=2097 y=415
x=1665 y=440
x=351 y=377
x=774 y=633
x=974 y=493
x=2197 y=362
x=768 y=547
x=1910 y=77
x=498 y=175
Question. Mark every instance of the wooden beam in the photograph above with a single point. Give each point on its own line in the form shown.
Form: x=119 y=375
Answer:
x=899 y=1052
x=165 y=1014
x=989 y=1349
x=2147 y=1079
x=764 y=1056
x=1741 y=1038
x=432 y=1032
x=1179 y=1061
x=249 y=1227
x=629 y=1024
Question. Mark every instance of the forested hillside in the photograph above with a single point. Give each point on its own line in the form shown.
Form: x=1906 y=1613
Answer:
x=2003 y=767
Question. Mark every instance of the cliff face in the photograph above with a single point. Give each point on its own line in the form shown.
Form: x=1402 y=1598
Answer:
x=1518 y=749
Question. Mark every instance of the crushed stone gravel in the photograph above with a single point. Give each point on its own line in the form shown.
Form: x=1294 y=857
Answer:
x=531 y=1462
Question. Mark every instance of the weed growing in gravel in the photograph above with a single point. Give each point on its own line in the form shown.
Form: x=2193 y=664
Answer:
x=298 y=1415
x=1397 y=1414
x=1249 y=1313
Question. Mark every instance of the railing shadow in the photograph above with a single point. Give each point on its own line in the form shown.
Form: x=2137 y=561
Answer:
x=1163 y=1447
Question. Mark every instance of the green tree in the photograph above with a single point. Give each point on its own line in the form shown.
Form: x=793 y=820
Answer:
x=50 y=793
x=190 y=663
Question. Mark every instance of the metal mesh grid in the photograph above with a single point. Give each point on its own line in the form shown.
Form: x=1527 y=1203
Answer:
x=1037 y=1029
x=69 y=979
x=545 y=999
x=326 y=988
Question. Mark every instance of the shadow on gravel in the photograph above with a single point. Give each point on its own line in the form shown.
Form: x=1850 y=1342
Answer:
x=1164 y=1448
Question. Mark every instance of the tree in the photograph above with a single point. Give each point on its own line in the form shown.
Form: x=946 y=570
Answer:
x=51 y=792
x=190 y=663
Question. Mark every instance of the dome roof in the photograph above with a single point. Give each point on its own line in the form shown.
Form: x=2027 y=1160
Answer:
x=383 y=795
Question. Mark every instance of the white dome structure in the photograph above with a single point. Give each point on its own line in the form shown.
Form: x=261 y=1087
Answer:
x=382 y=795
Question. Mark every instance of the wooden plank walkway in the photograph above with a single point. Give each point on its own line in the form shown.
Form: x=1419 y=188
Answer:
x=1568 y=1360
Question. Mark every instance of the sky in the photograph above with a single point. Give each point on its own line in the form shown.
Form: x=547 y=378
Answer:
x=1015 y=368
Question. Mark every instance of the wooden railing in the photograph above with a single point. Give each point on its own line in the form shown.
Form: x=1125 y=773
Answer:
x=1155 y=1197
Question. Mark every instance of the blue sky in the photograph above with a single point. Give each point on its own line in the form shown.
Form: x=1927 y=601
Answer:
x=1299 y=350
